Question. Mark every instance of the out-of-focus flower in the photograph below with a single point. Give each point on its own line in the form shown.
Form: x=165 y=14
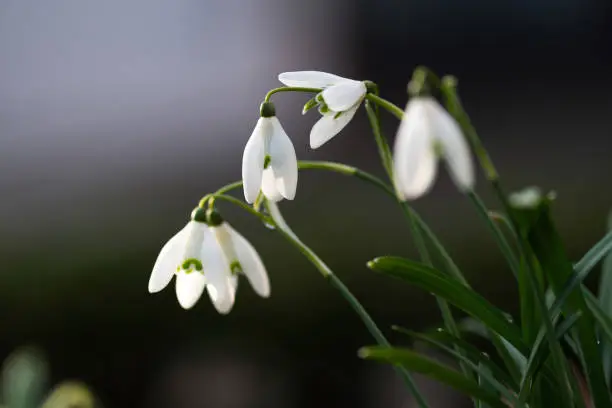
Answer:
x=428 y=132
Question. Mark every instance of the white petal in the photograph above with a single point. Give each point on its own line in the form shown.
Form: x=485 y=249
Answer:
x=309 y=79
x=195 y=232
x=189 y=288
x=284 y=162
x=414 y=158
x=328 y=127
x=456 y=149
x=268 y=185
x=167 y=261
x=251 y=263
x=345 y=95
x=224 y=240
x=218 y=276
x=253 y=159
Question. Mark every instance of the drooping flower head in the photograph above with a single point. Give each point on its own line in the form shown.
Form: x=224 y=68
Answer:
x=209 y=254
x=269 y=163
x=239 y=256
x=338 y=102
x=428 y=132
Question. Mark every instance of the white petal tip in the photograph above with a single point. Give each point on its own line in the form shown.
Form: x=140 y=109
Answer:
x=316 y=145
x=154 y=289
x=187 y=306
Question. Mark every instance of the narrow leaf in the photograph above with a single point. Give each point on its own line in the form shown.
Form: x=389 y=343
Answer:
x=539 y=353
x=605 y=299
x=549 y=250
x=454 y=292
x=432 y=369
x=472 y=357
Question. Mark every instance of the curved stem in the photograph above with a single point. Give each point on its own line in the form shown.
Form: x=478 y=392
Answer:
x=290 y=89
x=499 y=235
x=453 y=104
x=385 y=104
x=346 y=170
x=243 y=205
x=387 y=160
x=336 y=283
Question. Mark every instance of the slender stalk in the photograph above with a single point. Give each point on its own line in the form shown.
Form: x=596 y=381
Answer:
x=262 y=217
x=448 y=87
x=387 y=161
x=290 y=89
x=496 y=231
x=336 y=283
x=452 y=268
x=385 y=104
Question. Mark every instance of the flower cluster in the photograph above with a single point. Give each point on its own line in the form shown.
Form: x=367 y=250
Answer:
x=209 y=254
x=426 y=133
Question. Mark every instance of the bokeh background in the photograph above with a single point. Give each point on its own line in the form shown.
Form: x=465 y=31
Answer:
x=117 y=116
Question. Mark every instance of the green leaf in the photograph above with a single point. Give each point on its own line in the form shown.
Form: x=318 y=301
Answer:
x=603 y=320
x=484 y=383
x=432 y=369
x=605 y=297
x=539 y=353
x=581 y=271
x=454 y=292
x=550 y=252
x=599 y=251
x=472 y=357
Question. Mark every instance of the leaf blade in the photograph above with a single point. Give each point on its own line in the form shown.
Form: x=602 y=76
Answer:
x=432 y=369
x=454 y=292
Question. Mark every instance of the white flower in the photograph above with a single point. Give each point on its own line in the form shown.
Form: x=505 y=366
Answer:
x=427 y=132
x=338 y=102
x=241 y=257
x=269 y=162
x=197 y=262
x=211 y=257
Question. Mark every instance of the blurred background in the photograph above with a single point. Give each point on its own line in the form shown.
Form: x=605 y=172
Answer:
x=117 y=116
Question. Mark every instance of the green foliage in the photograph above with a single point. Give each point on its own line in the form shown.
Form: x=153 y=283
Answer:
x=560 y=353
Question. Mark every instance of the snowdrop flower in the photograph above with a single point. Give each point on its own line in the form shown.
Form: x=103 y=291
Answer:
x=194 y=258
x=426 y=133
x=239 y=255
x=338 y=101
x=269 y=163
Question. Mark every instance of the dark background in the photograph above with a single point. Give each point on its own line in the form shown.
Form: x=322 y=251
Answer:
x=116 y=117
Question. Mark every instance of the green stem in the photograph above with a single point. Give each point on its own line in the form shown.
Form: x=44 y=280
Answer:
x=387 y=161
x=336 y=283
x=502 y=242
x=448 y=87
x=262 y=217
x=290 y=89
x=385 y=104
x=381 y=142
